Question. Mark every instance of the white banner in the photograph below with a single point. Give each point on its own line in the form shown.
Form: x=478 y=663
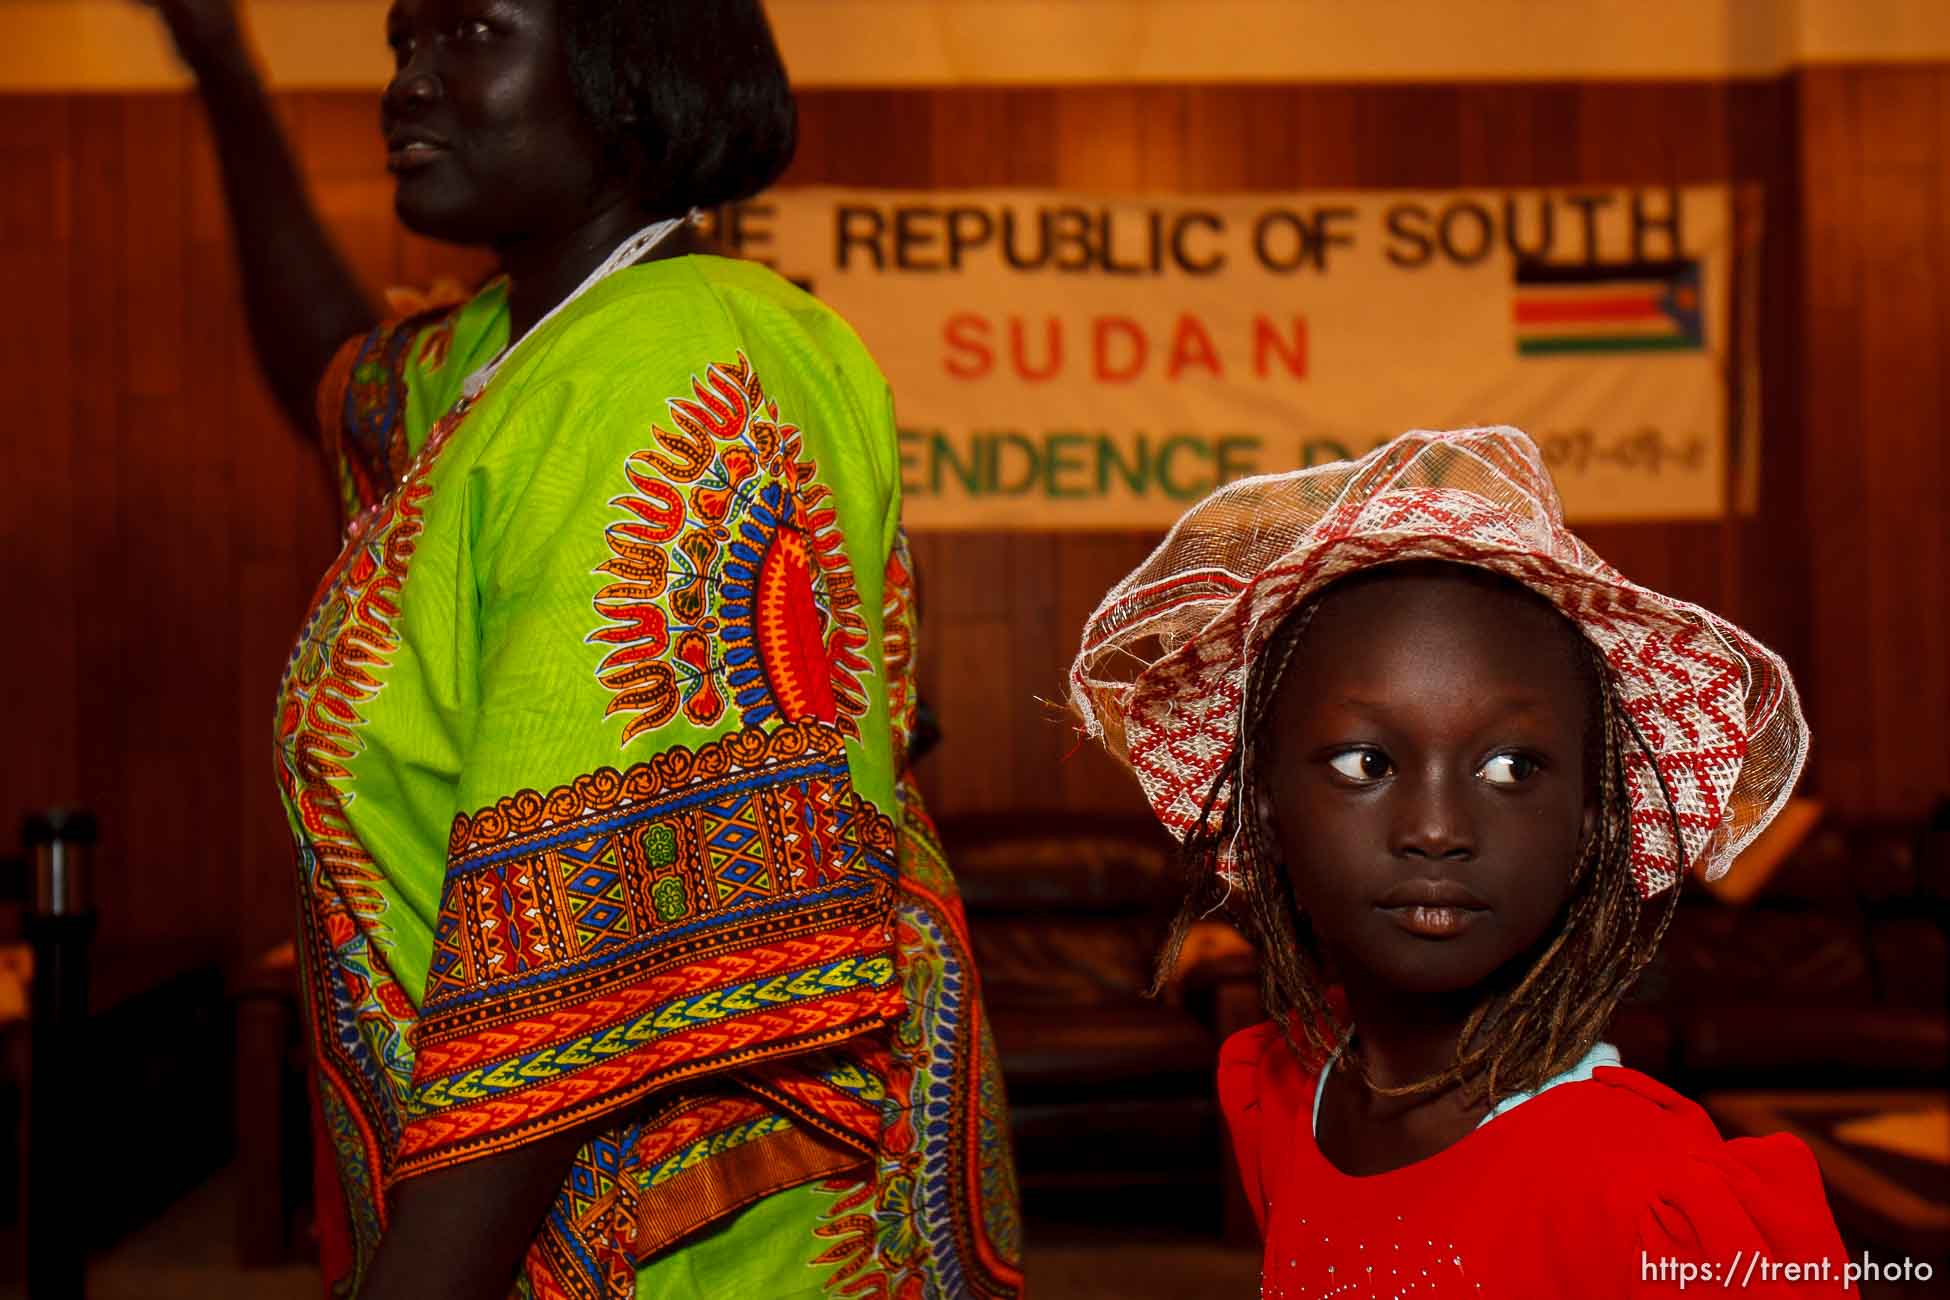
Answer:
x=1069 y=362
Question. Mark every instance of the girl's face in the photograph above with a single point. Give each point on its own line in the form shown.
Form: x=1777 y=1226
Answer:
x=1425 y=776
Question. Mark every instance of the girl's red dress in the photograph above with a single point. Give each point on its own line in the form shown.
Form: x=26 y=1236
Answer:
x=1611 y=1187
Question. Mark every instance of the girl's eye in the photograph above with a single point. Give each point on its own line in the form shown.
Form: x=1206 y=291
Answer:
x=1363 y=765
x=472 y=29
x=1508 y=769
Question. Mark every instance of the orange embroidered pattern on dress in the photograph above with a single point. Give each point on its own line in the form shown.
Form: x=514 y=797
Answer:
x=729 y=585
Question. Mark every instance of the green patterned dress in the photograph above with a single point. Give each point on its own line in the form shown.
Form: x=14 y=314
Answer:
x=593 y=746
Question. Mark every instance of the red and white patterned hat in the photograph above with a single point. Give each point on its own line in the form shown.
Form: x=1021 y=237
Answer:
x=1162 y=673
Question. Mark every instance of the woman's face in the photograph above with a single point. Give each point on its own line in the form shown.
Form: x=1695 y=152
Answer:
x=484 y=136
x=1425 y=777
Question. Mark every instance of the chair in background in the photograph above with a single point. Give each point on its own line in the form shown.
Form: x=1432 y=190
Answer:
x=1109 y=1088
x=273 y=1117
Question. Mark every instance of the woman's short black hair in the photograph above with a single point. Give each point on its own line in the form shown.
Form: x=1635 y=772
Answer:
x=695 y=89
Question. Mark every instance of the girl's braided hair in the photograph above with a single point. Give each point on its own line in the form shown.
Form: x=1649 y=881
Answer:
x=1514 y=1041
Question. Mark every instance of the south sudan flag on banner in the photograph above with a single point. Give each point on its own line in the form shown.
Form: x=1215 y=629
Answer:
x=1623 y=307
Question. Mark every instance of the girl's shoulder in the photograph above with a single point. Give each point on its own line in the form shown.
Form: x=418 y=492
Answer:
x=1635 y=1106
x=1645 y=1139
x=1263 y=1087
x=1260 y=1070
x=1657 y=1162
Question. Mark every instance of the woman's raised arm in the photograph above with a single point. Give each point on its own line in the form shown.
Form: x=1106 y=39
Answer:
x=300 y=298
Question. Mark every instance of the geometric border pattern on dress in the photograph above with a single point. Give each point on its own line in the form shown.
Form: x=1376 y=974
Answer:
x=704 y=910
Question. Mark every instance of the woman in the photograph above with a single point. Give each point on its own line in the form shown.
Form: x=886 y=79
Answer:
x=630 y=958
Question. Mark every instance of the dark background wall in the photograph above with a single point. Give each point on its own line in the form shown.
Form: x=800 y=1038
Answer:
x=162 y=531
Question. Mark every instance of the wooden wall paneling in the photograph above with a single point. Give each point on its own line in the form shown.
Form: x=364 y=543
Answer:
x=1035 y=642
x=1871 y=338
x=169 y=882
x=153 y=241
x=167 y=677
x=1902 y=430
x=1165 y=146
x=1408 y=136
x=261 y=629
x=982 y=137
x=1903 y=421
x=1830 y=359
x=1217 y=133
x=1032 y=142
x=260 y=635
x=968 y=647
x=1100 y=132
x=863 y=137
x=219 y=363
x=99 y=537
x=38 y=766
x=1326 y=120
x=1696 y=118
x=1897 y=121
x=956 y=115
x=1769 y=561
x=1619 y=141
x=209 y=522
x=243 y=836
x=1511 y=136
x=1931 y=579
x=991 y=726
x=963 y=657
x=239 y=425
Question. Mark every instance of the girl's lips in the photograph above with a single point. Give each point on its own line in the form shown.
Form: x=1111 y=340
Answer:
x=1433 y=921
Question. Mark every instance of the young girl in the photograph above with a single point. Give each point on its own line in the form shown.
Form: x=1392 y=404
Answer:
x=1432 y=753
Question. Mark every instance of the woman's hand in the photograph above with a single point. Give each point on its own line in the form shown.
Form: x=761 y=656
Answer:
x=299 y=297
x=461 y=1232
x=207 y=33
